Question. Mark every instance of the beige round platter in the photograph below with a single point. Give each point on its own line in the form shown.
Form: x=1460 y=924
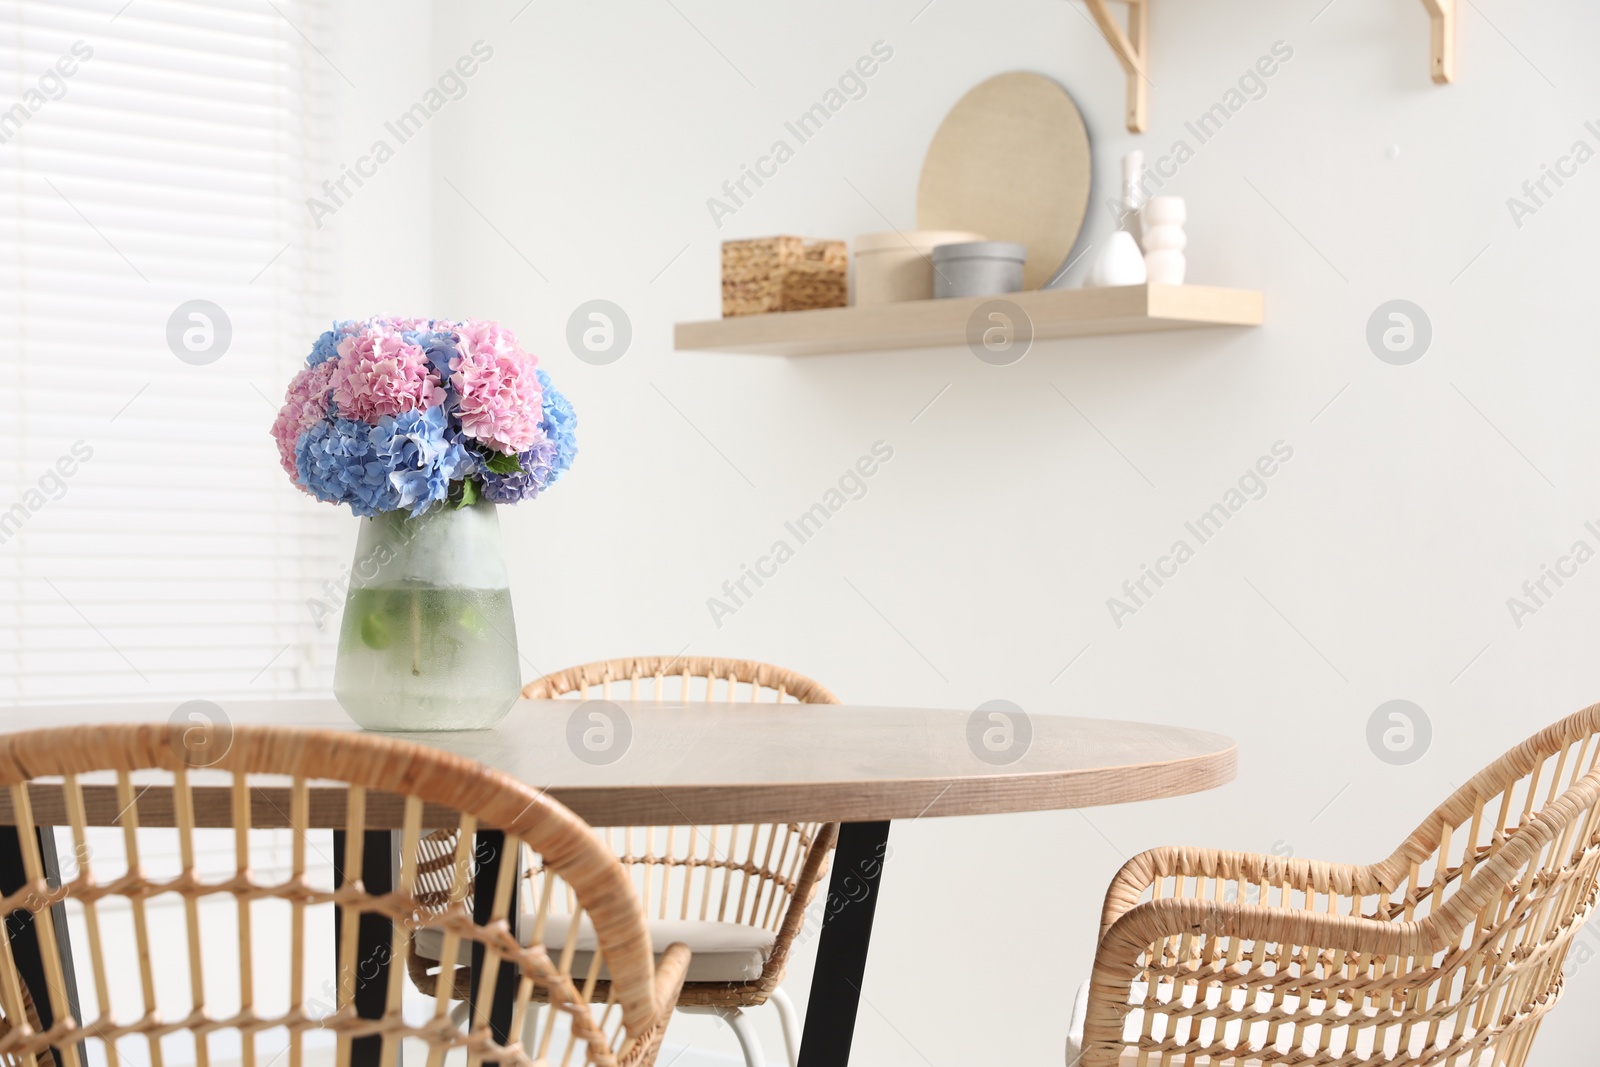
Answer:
x=1011 y=161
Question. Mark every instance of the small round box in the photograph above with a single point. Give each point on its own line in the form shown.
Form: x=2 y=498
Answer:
x=892 y=266
x=978 y=268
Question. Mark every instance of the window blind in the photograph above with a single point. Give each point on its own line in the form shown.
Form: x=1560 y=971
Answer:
x=159 y=282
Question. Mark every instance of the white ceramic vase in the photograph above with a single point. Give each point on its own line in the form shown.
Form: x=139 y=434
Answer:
x=1119 y=263
x=1164 y=240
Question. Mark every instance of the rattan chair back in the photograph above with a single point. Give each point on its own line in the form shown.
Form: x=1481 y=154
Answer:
x=756 y=874
x=218 y=821
x=1448 y=952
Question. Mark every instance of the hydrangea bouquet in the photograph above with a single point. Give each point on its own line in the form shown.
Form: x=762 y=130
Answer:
x=393 y=414
x=422 y=426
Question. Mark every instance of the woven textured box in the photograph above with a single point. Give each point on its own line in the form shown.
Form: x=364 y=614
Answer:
x=782 y=274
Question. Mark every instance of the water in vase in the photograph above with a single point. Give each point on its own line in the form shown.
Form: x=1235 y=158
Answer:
x=427 y=658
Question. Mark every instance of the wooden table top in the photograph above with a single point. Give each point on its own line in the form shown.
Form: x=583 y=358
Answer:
x=618 y=763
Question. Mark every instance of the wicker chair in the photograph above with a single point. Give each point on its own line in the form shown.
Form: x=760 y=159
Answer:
x=736 y=895
x=1449 y=952
x=232 y=920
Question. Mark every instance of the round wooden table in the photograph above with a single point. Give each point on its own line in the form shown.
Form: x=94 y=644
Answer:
x=624 y=763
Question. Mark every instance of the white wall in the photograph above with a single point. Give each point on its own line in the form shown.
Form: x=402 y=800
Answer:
x=1377 y=567
x=384 y=231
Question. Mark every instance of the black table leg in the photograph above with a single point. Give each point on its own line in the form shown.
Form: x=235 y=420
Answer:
x=488 y=853
x=25 y=940
x=842 y=948
x=374 y=939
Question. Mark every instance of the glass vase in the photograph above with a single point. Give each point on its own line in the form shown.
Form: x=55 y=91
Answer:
x=428 y=641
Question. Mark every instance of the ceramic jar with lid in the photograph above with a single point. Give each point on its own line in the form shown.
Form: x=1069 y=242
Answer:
x=893 y=266
x=978 y=268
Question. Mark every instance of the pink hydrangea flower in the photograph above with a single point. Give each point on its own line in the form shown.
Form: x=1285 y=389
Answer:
x=379 y=374
x=499 y=389
x=305 y=405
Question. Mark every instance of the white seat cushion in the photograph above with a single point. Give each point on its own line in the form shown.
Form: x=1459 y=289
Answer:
x=719 y=952
x=1133 y=1025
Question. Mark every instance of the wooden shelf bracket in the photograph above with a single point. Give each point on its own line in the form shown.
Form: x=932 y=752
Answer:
x=1132 y=48
x=1443 y=15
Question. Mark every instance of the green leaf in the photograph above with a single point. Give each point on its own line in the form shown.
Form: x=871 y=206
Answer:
x=502 y=464
x=374 y=631
x=469 y=493
x=472 y=620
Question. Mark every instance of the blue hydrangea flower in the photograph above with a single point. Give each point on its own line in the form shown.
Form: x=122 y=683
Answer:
x=423 y=456
x=336 y=464
x=560 y=425
x=405 y=461
x=327 y=346
x=547 y=460
x=439 y=348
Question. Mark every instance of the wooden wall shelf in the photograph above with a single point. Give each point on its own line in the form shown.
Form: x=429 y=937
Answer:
x=933 y=323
